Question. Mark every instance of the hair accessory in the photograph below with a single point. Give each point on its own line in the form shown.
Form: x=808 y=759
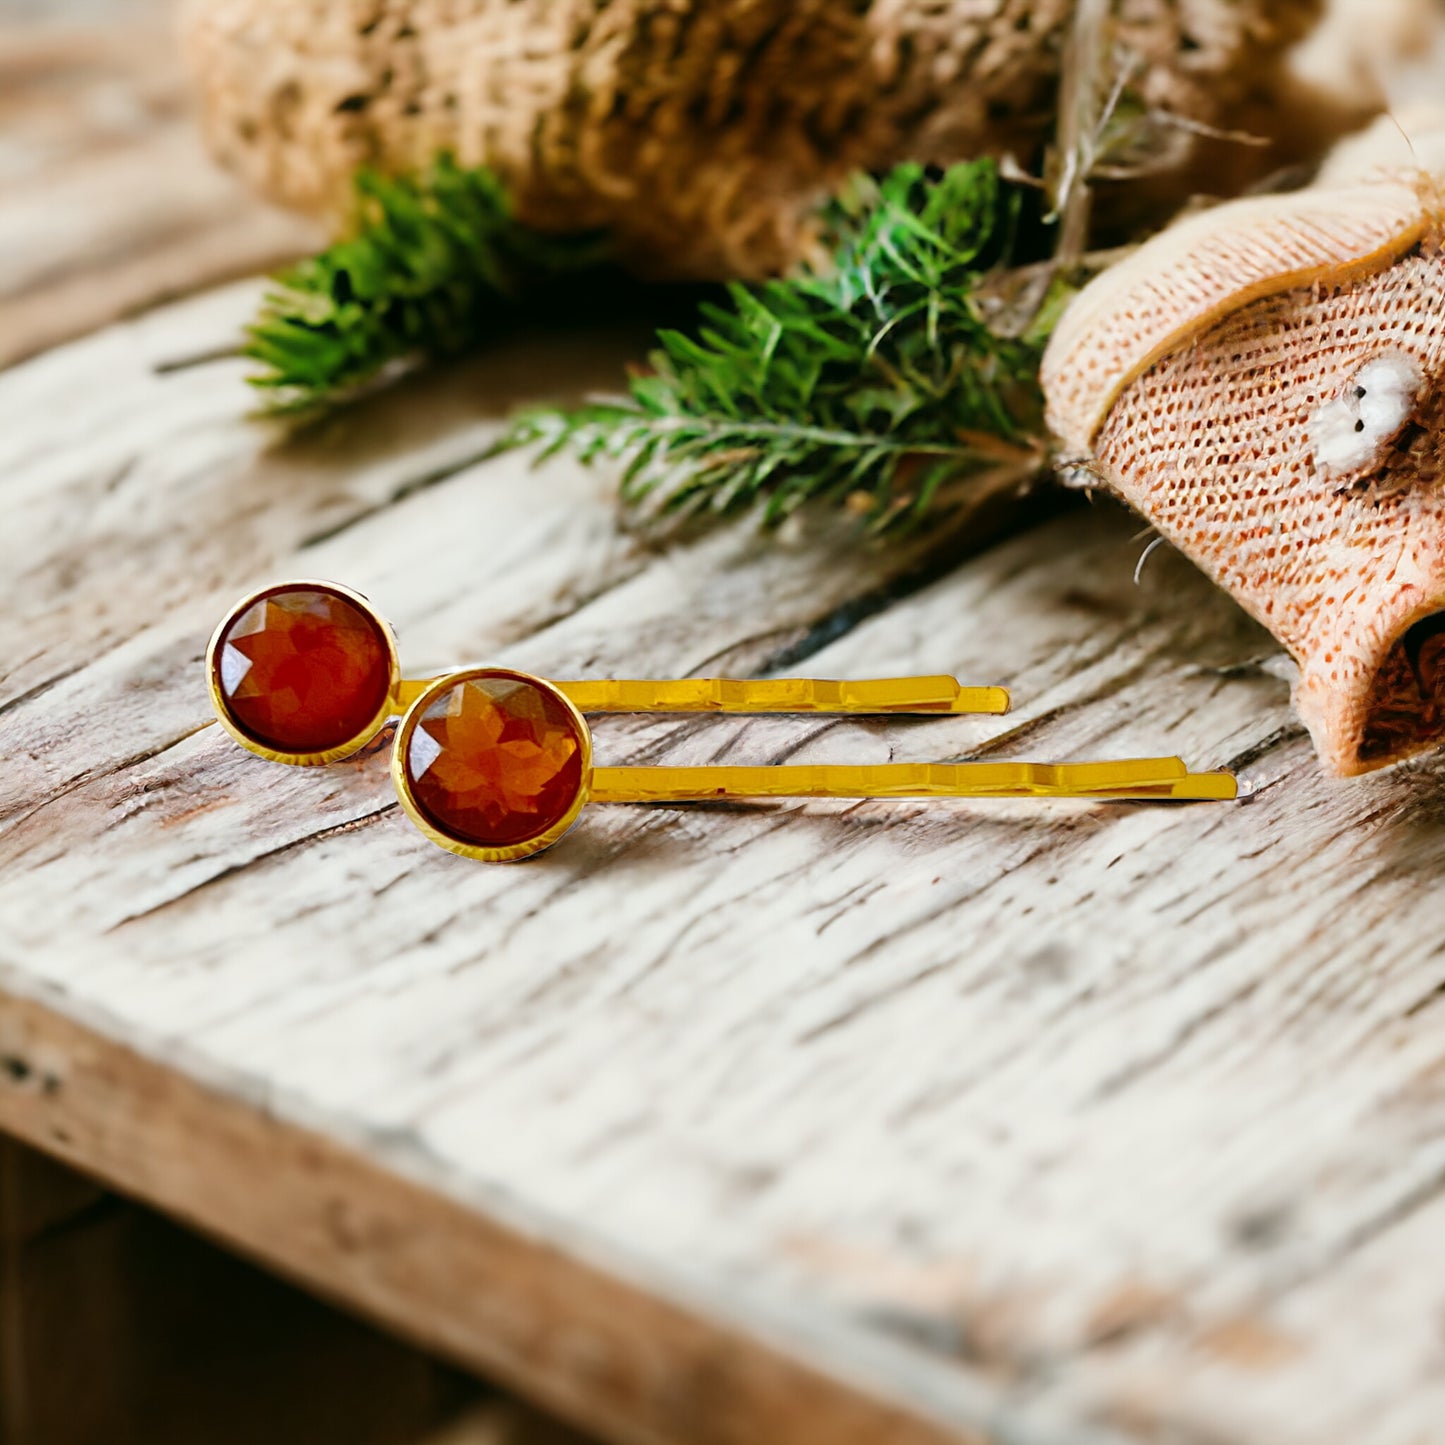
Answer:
x=496 y=764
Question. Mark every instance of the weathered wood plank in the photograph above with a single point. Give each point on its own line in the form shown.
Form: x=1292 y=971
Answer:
x=116 y=1325
x=989 y=1118
x=37 y=1194
x=503 y=1422
x=468 y=1281
x=111 y=203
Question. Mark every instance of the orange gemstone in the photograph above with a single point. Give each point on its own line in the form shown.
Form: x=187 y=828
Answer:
x=303 y=670
x=496 y=760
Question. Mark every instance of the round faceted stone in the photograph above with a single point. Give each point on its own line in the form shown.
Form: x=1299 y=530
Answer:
x=495 y=760
x=304 y=670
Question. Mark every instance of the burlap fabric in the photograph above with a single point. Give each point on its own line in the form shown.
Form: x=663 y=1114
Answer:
x=1263 y=383
x=702 y=132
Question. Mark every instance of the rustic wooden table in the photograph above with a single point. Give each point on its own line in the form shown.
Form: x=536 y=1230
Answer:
x=803 y=1123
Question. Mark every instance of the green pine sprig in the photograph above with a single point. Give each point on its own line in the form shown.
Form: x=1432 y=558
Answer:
x=875 y=380
x=433 y=264
x=879 y=377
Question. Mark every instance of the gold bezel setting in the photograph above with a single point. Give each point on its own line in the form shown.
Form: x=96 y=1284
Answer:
x=401 y=775
x=353 y=744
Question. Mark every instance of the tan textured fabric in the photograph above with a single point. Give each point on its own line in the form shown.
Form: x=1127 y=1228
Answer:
x=1292 y=449
x=701 y=131
x=1203 y=268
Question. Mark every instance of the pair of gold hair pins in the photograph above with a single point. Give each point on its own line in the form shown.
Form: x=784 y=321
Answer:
x=496 y=764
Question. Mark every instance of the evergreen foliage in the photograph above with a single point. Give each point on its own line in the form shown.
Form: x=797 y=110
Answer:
x=874 y=379
x=432 y=266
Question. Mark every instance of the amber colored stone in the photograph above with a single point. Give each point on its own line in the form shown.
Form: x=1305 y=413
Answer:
x=304 y=670
x=496 y=760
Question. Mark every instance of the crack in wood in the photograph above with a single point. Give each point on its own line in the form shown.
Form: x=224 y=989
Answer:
x=41 y=688
x=269 y=855
x=982 y=533
x=409 y=487
x=14 y=817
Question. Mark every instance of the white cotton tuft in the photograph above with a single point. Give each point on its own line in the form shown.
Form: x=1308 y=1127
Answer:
x=1353 y=429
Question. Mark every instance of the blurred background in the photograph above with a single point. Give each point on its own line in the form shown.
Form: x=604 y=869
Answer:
x=108 y=201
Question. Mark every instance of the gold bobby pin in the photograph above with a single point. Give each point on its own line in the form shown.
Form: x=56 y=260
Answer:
x=496 y=764
x=924 y=696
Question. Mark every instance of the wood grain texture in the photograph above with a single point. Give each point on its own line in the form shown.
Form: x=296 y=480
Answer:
x=110 y=202
x=720 y=1124
x=117 y=1325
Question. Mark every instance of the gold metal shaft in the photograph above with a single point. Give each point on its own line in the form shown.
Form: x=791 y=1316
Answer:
x=927 y=696
x=1134 y=778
